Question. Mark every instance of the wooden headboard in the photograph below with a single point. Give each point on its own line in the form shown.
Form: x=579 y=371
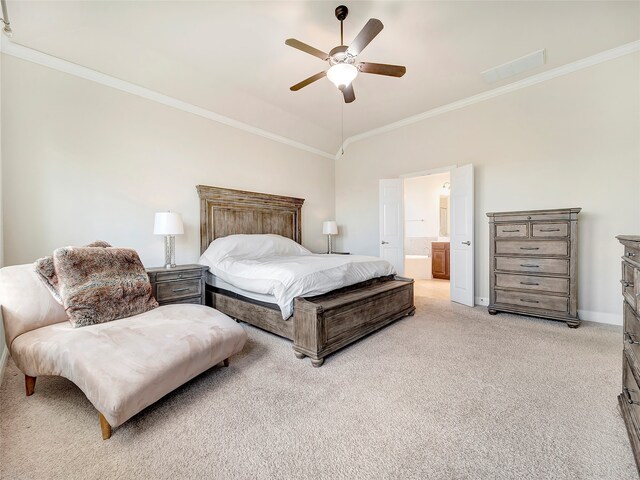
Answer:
x=225 y=212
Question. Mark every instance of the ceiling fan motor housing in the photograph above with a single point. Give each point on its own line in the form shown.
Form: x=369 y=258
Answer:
x=339 y=55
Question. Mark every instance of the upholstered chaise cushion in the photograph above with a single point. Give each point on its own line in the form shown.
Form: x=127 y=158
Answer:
x=98 y=285
x=126 y=365
x=46 y=271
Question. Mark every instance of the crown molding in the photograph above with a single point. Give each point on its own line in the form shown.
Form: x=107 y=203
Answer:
x=596 y=59
x=25 y=53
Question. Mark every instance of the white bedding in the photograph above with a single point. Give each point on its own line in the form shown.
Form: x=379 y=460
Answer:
x=286 y=271
x=217 y=282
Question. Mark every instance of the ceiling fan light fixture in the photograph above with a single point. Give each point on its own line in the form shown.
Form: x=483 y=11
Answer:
x=342 y=74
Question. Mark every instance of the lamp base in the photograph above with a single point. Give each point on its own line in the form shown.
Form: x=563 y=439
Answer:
x=329 y=246
x=169 y=251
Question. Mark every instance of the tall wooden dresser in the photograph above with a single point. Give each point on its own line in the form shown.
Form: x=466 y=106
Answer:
x=629 y=399
x=534 y=263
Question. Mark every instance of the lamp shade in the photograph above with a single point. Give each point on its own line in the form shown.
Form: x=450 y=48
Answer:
x=168 y=223
x=330 y=228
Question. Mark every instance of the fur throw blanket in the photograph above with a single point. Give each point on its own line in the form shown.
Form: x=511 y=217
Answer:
x=99 y=284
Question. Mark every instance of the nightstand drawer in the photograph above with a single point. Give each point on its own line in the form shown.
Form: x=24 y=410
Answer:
x=179 y=275
x=179 y=289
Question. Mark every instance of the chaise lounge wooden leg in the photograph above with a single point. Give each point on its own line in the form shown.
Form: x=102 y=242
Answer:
x=29 y=384
x=225 y=362
x=105 y=427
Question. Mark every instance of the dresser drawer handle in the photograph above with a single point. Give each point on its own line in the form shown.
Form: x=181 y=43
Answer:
x=529 y=301
x=178 y=290
x=549 y=229
x=628 y=337
x=511 y=231
x=528 y=265
x=179 y=275
x=529 y=248
x=631 y=254
x=627 y=394
x=626 y=284
x=529 y=283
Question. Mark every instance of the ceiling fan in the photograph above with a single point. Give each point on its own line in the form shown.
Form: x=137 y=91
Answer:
x=342 y=59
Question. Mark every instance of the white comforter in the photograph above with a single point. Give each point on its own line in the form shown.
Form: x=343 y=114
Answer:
x=289 y=276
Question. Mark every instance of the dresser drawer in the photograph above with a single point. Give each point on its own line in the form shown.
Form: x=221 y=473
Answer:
x=511 y=230
x=550 y=229
x=530 y=282
x=179 y=289
x=631 y=329
x=539 y=247
x=554 y=266
x=631 y=394
x=632 y=253
x=532 y=300
x=630 y=284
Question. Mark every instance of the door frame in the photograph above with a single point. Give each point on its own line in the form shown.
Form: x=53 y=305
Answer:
x=432 y=171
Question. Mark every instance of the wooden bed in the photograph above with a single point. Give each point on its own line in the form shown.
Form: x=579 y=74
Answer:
x=320 y=325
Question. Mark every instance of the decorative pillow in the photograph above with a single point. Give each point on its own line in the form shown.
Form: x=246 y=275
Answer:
x=47 y=273
x=98 y=285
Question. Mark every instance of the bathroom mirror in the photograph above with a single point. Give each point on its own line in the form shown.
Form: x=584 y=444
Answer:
x=444 y=215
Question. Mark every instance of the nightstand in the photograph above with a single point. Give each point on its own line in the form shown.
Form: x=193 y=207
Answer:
x=182 y=284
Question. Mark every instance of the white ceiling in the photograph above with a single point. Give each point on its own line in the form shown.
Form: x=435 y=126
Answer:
x=230 y=57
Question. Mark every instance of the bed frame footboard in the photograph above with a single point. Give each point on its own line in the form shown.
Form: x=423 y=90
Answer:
x=329 y=322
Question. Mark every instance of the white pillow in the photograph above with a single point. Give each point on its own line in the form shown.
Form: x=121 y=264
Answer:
x=250 y=247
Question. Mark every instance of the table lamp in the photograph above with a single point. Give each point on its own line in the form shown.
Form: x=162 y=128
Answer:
x=329 y=228
x=168 y=224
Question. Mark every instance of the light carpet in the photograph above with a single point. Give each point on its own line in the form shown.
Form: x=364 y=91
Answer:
x=449 y=393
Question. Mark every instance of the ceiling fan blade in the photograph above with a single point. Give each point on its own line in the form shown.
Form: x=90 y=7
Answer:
x=348 y=93
x=368 y=33
x=382 y=69
x=292 y=42
x=307 y=81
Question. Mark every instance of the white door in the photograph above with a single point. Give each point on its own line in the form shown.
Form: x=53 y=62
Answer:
x=462 y=245
x=392 y=222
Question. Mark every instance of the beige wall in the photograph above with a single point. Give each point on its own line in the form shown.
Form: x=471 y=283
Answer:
x=83 y=161
x=569 y=142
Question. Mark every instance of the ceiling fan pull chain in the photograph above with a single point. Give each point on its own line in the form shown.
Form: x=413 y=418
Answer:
x=342 y=128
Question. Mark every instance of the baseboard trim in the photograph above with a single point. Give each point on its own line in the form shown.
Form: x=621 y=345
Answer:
x=481 y=301
x=600 y=317
x=3 y=361
x=586 y=315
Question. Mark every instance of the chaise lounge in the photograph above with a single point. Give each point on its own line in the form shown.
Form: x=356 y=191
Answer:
x=122 y=366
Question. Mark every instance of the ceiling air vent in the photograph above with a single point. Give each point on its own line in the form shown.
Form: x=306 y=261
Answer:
x=514 y=67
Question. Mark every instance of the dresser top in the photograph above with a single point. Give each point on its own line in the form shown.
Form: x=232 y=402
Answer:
x=554 y=211
x=629 y=238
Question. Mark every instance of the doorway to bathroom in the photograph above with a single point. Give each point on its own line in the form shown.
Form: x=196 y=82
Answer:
x=427 y=219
